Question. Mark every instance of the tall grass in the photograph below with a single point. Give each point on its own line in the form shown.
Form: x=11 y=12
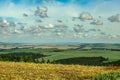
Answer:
x=33 y=71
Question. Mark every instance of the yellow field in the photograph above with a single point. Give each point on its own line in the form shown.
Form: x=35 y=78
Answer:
x=32 y=71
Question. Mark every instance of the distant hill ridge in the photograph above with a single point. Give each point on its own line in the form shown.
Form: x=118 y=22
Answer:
x=64 y=43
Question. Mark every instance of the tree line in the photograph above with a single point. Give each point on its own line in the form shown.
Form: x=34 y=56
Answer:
x=21 y=57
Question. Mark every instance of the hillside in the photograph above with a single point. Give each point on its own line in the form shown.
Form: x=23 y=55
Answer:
x=32 y=71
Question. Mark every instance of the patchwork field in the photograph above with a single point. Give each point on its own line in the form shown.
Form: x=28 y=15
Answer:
x=61 y=54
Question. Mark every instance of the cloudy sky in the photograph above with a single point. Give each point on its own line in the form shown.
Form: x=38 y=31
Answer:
x=49 y=21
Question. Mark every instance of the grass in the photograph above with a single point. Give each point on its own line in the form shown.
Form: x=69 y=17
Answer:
x=112 y=55
x=108 y=76
x=32 y=71
x=64 y=54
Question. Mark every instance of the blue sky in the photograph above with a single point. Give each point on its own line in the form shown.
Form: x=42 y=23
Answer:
x=41 y=1
x=49 y=21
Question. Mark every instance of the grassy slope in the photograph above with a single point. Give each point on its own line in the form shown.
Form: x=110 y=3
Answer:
x=32 y=71
x=112 y=55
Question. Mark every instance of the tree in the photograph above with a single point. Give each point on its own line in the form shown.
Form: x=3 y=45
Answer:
x=21 y=59
x=1 y=58
x=29 y=59
x=36 y=60
x=53 y=61
x=42 y=61
x=48 y=61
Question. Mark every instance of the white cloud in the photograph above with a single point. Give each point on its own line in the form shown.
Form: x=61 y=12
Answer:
x=41 y=11
x=49 y=26
x=114 y=18
x=97 y=22
x=42 y=8
x=59 y=34
x=6 y=23
x=16 y=31
x=78 y=25
x=78 y=29
x=85 y=16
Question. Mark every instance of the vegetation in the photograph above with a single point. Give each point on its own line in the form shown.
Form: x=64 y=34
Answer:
x=85 y=63
x=34 y=57
x=107 y=76
x=21 y=57
x=33 y=71
x=69 y=56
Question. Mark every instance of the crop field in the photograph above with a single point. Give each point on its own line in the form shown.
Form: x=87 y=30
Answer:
x=33 y=71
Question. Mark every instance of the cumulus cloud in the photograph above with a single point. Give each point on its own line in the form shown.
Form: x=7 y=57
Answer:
x=59 y=21
x=43 y=15
x=114 y=18
x=6 y=26
x=97 y=22
x=85 y=35
x=41 y=11
x=25 y=15
x=34 y=30
x=78 y=25
x=42 y=8
x=85 y=16
x=111 y=36
x=49 y=26
x=6 y=23
x=82 y=35
x=22 y=28
x=59 y=33
x=60 y=28
x=16 y=31
x=78 y=29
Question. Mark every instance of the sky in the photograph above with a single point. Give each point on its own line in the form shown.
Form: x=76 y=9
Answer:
x=54 y=21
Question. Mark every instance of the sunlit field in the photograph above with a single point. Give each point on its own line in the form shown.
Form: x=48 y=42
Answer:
x=33 y=71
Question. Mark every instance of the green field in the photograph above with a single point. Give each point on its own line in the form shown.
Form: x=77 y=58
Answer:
x=58 y=54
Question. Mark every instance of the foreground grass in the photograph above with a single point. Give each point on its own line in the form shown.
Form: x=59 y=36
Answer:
x=32 y=71
x=108 y=76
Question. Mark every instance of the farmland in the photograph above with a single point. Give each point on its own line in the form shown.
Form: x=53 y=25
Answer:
x=86 y=62
x=54 y=54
